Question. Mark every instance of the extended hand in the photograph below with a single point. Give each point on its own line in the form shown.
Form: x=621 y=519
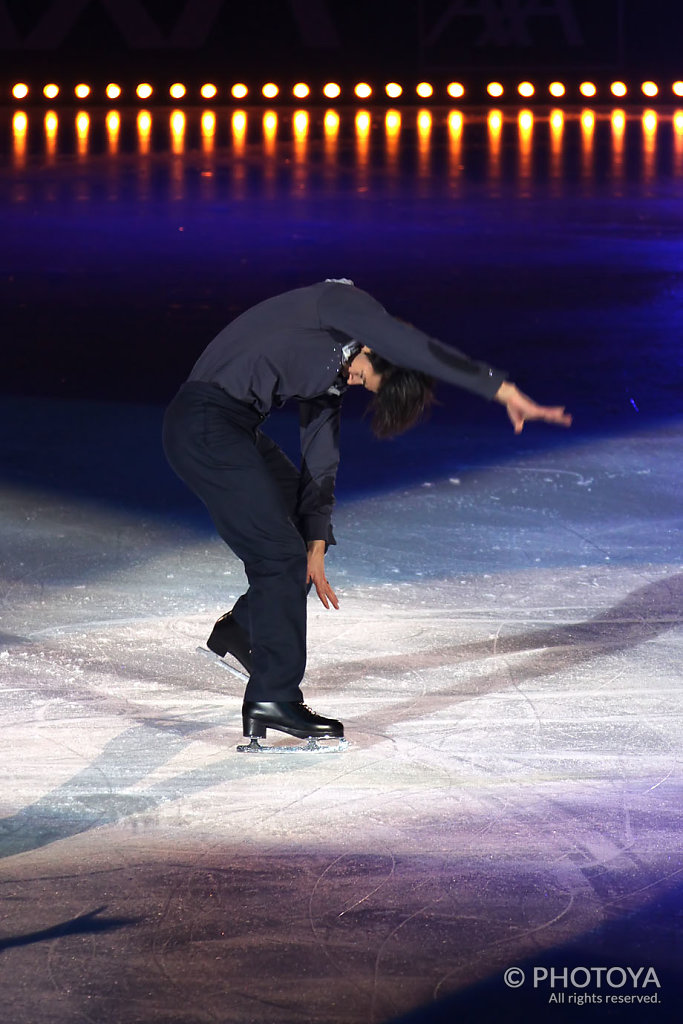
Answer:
x=316 y=573
x=521 y=408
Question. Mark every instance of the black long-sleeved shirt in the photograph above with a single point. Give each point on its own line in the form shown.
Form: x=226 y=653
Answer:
x=291 y=347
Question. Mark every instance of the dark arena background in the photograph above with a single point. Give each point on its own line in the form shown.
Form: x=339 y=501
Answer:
x=501 y=841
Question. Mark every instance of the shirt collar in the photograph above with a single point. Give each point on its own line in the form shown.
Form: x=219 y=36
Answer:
x=350 y=350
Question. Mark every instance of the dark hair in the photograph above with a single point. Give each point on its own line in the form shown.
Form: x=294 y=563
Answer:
x=404 y=396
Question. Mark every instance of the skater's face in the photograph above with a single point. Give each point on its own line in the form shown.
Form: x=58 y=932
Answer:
x=361 y=372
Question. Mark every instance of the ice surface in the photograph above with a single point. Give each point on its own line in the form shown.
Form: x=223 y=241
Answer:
x=506 y=660
x=507 y=655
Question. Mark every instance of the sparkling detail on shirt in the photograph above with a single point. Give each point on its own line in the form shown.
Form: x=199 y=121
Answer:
x=349 y=351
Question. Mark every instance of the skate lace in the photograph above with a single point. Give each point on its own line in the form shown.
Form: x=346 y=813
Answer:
x=310 y=710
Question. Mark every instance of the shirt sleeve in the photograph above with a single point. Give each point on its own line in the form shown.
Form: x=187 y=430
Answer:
x=319 y=433
x=348 y=309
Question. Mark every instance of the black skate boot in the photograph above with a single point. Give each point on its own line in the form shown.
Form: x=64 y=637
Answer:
x=291 y=717
x=229 y=639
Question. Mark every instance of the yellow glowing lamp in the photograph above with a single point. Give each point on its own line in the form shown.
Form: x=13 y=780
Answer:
x=618 y=88
x=208 y=91
x=82 y=124
x=649 y=88
x=51 y=123
x=455 y=122
x=525 y=89
x=270 y=90
x=678 y=122
x=424 y=90
x=649 y=121
x=239 y=91
x=393 y=90
x=113 y=91
x=144 y=91
x=300 y=122
x=587 y=89
x=618 y=120
x=392 y=121
x=20 y=91
x=495 y=121
x=177 y=90
x=144 y=121
x=495 y=89
x=20 y=123
x=677 y=88
x=556 y=89
x=301 y=90
x=331 y=122
x=208 y=123
x=331 y=90
x=51 y=91
x=82 y=91
x=456 y=90
x=363 y=91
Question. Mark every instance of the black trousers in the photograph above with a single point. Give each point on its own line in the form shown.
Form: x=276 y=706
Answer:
x=250 y=488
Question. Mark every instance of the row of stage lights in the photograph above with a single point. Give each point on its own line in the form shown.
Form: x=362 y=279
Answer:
x=300 y=121
x=333 y=91
x=301 y=124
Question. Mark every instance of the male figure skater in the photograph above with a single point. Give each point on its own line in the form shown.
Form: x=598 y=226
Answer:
x=306 y=345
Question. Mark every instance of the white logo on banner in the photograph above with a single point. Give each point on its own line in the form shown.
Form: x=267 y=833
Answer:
x=506 y=22
x=141 y=31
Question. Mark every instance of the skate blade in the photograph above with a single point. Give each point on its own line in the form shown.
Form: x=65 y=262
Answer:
x=233 y=667
x=312 y=746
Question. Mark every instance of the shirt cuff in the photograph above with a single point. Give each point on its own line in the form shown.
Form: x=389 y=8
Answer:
x=317 y=526
x=492 y=381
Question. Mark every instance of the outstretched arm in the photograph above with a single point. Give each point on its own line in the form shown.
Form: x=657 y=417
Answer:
x=521 y=408
x=358 y=315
